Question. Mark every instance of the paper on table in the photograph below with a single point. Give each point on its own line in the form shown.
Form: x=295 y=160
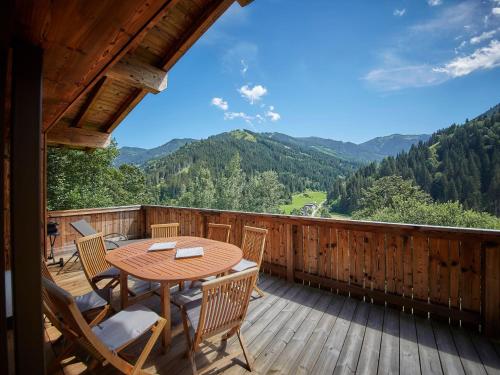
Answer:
x=189 y=252
x=162 y=246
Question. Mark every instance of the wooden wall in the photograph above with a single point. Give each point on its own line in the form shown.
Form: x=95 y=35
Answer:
x=126 y=220
x=446 y=273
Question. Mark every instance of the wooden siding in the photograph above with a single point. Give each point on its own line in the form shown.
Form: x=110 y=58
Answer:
x=447 y=273
x=125 y=220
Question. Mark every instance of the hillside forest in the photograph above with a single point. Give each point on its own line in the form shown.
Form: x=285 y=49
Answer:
x=450 y=178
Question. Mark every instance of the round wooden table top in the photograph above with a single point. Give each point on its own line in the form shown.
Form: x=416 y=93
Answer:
x=135 y=260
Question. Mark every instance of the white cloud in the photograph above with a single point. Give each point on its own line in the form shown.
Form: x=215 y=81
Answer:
x=273 y=116
x=236 y=115
x=220 y=103
x=244 y=67
x=449 y=18
x=260 y=118
x=252 y=94
x=397 y=78
x=399 y=12
x=482 y=58
x=496 y=11
x=460 y=47
x=484 y=36
x=434 y=3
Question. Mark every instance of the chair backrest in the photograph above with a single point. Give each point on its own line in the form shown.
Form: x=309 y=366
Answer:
x=224 y=303
x=92 y=250
x=49 y=307
x=45 y=270
x=83 y=227
x=164 y=230
x=219 y=232
x=74 y=325
x=253 y=244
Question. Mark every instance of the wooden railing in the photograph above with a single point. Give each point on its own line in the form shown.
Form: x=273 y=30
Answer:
x=448 y=273
x=128 y=220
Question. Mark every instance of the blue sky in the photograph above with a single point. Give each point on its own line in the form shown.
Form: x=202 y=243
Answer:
x=346 y=70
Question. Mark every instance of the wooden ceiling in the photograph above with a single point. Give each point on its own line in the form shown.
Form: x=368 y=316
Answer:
x=101 y=57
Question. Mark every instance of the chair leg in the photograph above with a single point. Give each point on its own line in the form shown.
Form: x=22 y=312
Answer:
x=228 y=334
x=260 y=291
x=244 y=349
x=155 y=334
x=191 y=355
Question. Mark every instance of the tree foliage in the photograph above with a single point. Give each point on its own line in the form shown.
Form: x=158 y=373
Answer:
x=392 y=199
x=459 y=163
x=84 y=179
x=232 y=190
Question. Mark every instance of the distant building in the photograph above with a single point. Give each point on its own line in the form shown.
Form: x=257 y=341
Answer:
x=308 y=208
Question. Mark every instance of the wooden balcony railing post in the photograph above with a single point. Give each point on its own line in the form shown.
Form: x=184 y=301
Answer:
x=491 y=289
x=290 y=254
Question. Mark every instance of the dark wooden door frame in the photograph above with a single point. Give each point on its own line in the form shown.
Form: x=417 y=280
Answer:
x=26 y=207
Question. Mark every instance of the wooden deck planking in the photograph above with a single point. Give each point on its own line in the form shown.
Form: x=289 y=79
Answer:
x=297 y=329
x=370 y=351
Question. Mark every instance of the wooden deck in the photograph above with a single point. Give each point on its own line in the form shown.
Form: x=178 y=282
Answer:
x=297 y=329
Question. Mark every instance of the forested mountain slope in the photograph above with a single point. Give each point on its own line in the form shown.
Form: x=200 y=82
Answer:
x=459 y=163
x=372 y=150
x=298 y=167
x=139 y=156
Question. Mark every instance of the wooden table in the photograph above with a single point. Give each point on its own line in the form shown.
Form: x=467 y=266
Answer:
x=161 y=266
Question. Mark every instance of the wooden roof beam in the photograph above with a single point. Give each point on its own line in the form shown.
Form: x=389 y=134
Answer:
x=78 y=138
x=139 y=74
x=91 y=99
x=244 y=3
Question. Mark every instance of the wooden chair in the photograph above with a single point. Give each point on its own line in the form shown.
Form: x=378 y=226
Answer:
x=164 y=230
x=253 y=245
x=92 y=250
x=221 y=309
x=105 y=341
x=85 y=229
x=219 y=232
x=94 y=306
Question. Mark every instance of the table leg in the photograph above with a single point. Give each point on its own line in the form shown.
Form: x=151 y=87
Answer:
x=123 y=289
x=165 y=312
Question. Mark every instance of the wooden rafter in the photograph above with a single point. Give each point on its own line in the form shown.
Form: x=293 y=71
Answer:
x=139 y=74
x=91 y=99
x=131 y=45
x=132 y=101
x=77 y=137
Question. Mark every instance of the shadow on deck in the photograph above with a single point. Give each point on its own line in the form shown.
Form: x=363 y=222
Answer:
x=297 y=329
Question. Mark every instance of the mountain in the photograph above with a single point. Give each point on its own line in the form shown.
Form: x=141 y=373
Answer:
x=299 y=167
x=374 y=149
x=458 y=163
x=392 y=145
x=139 y=156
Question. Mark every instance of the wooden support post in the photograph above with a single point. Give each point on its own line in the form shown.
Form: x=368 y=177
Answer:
x=491 y=289
x=290 y=254
x=26 y=207
x=4 y=231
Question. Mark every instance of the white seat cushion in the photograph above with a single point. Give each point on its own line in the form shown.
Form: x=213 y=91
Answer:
x=110 y=273
x=193 y=310
x=182 y=297
x=125 y=326
x=90 y=301
x=244 y=265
